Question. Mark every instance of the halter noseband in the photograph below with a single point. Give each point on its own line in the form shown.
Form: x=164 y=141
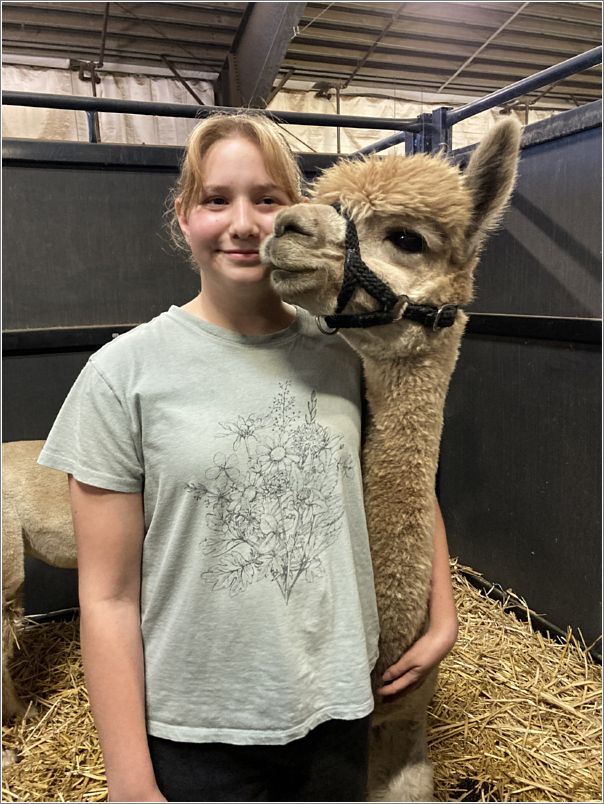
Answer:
x=393 y=308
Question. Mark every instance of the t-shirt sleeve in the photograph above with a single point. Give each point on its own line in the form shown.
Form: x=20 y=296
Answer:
x=96 y=437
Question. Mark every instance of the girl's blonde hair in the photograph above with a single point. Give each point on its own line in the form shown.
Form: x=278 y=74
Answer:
x=280 y=161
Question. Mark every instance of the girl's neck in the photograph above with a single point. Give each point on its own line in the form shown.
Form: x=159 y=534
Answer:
x=252 y=315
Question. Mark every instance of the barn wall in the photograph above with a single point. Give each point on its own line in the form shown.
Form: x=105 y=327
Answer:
x=519 y=478
x=84 y=236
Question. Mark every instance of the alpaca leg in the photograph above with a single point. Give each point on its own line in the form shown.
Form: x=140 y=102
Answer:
x=12 y=706
x=13 y=578
x=399 y=768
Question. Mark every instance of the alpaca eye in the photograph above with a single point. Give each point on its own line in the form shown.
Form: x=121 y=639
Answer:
x=407 y=240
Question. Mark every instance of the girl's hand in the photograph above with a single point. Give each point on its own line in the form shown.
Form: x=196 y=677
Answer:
x=413 y=667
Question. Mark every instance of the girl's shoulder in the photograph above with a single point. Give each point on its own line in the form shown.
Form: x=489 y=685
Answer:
x=139 y=347
x=141 y=337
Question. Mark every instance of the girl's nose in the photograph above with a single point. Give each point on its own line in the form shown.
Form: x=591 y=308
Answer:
x=243 y=220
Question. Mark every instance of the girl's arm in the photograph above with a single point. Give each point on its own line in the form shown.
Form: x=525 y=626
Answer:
x=109 y=529
x=415 y=664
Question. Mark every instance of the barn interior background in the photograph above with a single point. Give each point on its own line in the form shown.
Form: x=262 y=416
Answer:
x=519 y=479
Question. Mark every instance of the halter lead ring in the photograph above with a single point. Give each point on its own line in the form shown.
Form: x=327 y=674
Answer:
x=393 y=308
x=321 y=326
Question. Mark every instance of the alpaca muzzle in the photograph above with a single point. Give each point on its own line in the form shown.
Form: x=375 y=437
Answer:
x=393 y=307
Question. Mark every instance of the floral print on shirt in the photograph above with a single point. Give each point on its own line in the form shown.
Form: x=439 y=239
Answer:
x=273 y=503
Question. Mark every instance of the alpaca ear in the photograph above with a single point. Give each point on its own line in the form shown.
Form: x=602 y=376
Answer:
x=490 y=177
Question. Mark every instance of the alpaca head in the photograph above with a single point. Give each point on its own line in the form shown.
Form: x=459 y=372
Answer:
x=421 y=224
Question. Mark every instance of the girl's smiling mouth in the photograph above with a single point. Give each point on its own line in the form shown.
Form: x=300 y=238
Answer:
x=242 y=256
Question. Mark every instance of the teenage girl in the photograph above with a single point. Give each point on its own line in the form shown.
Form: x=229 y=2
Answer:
x=228 y=615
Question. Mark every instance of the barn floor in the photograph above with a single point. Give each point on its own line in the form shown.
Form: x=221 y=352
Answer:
x=517 y=716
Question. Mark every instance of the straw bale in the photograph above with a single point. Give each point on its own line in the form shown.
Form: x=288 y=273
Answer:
x=516 y=717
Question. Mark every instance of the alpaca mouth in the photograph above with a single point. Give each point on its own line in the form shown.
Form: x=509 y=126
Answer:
x=272 y=255
x=277 y=269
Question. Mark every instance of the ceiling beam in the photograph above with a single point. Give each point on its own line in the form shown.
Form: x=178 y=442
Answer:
x=266 y=30
x=369 y=53
x=482 y=47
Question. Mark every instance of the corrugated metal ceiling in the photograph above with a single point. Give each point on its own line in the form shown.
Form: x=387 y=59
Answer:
x=462 y=48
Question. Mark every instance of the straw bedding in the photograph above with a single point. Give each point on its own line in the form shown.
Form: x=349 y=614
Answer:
x=517 y=716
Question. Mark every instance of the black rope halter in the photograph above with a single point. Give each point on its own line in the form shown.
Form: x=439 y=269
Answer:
x=392 y=307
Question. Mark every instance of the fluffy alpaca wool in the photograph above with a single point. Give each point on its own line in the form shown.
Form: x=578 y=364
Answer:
x=37 y=522
x=407 y=371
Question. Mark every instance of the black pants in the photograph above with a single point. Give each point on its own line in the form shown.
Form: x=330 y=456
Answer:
x=328 y=764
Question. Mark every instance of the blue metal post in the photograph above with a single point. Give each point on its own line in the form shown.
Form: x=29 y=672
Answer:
x=441 y=131
x=430 y=134
x=92 y=119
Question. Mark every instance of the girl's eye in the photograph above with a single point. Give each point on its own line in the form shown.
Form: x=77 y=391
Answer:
x=407 y=240
x=268 y=200
x=215 y=202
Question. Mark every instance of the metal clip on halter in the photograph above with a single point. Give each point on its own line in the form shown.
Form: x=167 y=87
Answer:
x=439 y=313
x=322 y=328
x=400 y=308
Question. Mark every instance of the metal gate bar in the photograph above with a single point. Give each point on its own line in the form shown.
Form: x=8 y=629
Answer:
x=433 y=130
x=556 y=73
x=85 y=104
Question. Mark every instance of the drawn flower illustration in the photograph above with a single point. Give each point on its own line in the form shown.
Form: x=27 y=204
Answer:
x=197 y=490
x=244 y=429
x=276 y=484
x=275 y=453
x=249 y=494
x=271 y=532
x=223 y=466
x=283 y=407
x=272 y=507
x=218 y=497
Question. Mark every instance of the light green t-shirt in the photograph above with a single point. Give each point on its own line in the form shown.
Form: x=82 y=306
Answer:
x=258 y=609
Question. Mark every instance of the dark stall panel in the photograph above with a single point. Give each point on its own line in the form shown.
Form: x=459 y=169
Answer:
x=100 y=260
x=34 y=388
x=48 y=589
x=519 y=477
x=85 y=243
x=520 y=473
x=547 y=258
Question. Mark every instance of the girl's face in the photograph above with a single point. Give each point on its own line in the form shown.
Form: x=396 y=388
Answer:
x=234 y=215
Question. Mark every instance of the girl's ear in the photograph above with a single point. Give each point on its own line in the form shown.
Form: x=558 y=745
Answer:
x=182 y=220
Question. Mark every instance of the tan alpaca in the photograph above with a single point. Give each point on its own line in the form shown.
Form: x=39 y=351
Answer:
x=36 y=521
x=407 y=368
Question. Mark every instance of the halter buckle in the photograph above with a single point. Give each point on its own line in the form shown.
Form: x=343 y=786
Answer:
x=439 y=313
x=321 y=325
x=400 y=310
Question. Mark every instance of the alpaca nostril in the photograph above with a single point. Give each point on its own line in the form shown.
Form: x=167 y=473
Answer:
x=293 y=227
x=286 y=225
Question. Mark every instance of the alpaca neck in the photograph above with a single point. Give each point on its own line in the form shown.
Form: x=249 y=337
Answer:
x=406 y=398
x=408 y=394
